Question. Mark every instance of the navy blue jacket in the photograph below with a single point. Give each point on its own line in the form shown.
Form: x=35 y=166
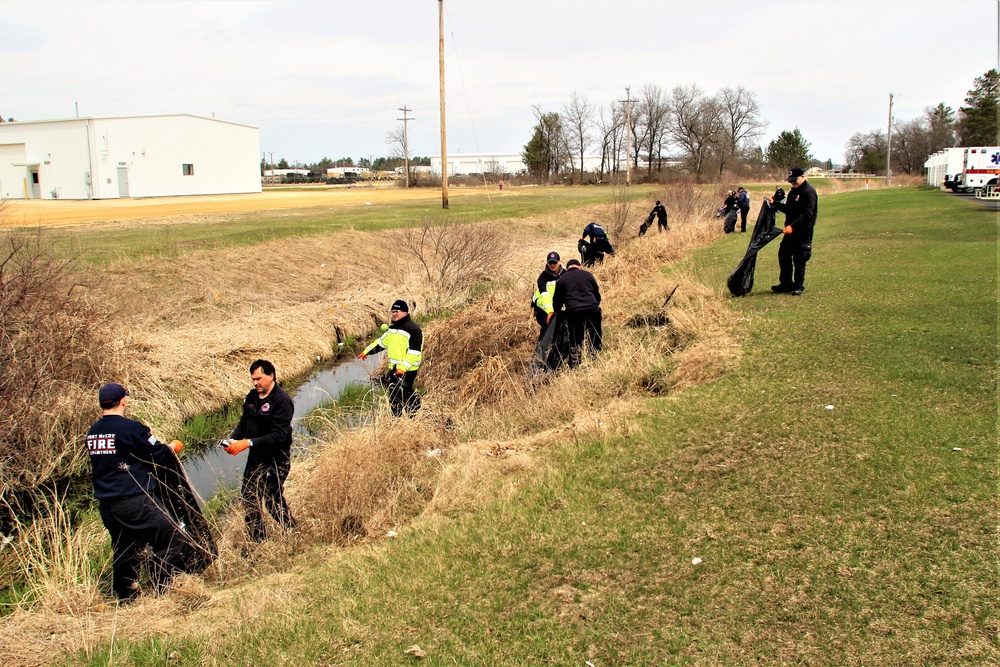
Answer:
x=122 y=455
x=268 y=423
x=578 y=291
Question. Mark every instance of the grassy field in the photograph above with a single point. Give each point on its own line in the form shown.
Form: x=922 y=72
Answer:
x=838 y=488
x=173 y=236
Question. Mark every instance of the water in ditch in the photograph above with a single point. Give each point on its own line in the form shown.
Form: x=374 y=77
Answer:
x=214 y=470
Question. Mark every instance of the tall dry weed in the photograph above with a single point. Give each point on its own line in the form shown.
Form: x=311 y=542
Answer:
x=54 y=353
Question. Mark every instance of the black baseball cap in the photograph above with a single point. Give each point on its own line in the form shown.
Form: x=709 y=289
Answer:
x=794 y=173
x=553 y=257
x=111 y=392
x=573 y=262
x=400 y=305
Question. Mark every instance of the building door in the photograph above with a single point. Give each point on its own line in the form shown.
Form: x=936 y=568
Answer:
x=36 y=186
x=11 y=176
x=123 y=181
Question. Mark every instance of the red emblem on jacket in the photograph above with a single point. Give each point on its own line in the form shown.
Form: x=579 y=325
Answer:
x=264 y=407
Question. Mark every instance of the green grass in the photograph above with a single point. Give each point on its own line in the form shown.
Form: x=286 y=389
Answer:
x=101 y=244
x=852 y=535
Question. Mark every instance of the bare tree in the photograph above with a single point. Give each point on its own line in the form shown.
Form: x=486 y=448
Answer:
x=653 y=111
x=398 y=148
x=694 y=126
x=742 y=125
x=578 y=118
x=611 y=124
x=911 y=144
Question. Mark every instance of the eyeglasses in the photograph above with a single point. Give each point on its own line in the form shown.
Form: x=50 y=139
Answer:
x=551 y=263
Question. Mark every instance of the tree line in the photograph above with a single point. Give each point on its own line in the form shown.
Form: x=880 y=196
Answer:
x=976 y=124
x=710 y=136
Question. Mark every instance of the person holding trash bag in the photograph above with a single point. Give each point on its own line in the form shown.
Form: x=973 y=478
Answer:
x=265 y=431
x=123 y=454
x=403 y=342
x=545 y=287
x=800 y=207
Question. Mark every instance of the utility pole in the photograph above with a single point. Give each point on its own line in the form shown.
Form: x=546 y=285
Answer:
x=444 y=139
x=272 y=164
x=406 y=143
x=888 y=150
x=628 y=135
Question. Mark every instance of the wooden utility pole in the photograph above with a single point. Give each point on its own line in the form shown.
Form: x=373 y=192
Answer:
x=444 y=134
x=888 y=150
x=628 y=135
x=406 y=143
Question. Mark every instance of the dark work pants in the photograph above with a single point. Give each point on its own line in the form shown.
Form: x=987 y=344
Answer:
x=743 y=219
x=542 y=318
x=402 y=396
x=263 y=488
x=135 y=522
x=661 y=224
x=582 y=325
x=793 y=253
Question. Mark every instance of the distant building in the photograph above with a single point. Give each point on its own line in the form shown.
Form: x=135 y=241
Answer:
x=140 y=156
x=512 y=164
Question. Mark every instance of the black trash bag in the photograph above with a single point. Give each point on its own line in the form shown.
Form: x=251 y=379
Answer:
x=740 y=281
x=644 y=227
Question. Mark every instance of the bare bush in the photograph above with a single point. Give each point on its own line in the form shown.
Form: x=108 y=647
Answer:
x=454 y=257
x=622 y=199
x=51 y=358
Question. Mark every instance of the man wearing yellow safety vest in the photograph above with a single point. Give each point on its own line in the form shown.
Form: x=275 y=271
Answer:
x=541 y=302
x=404 y=345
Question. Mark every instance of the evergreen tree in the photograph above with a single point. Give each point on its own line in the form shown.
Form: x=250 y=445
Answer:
x=979 y=120
x=790 y=149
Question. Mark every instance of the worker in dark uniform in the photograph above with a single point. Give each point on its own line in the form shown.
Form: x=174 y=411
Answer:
x=578 y=292
x=743 y=201
x=729 y=211
x=123 y=454
x=403 y=342
x=660 y=212
x=265 y=430
x=800 y=208
x=545 y=287
x=594 y=250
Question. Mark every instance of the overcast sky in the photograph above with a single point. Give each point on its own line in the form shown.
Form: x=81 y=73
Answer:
x=327 y=77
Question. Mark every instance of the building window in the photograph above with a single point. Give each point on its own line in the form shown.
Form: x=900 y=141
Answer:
x=188 y=169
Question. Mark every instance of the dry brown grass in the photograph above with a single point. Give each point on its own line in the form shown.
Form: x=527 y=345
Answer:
x=485 y=416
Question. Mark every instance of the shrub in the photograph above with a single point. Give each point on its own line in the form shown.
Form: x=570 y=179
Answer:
x=52 y=358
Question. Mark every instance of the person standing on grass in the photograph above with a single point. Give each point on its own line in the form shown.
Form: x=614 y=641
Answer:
x=800 y=208
x=743 y=201
x=545 y=287
x=403 y=342
x=123 y=454
x=265 y=430
x=578 y=292
x=660 y=211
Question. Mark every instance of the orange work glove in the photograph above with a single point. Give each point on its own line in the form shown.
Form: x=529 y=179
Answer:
x=548 y=318
x=237 y=446
x=362 y=355
x=175 y=446
x=400 y=371
x=788 y=229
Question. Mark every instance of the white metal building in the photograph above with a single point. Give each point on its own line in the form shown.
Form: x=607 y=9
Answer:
x=944 y=165
x=142 y=156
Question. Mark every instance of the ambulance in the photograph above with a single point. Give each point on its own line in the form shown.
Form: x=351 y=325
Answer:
x=980 y=169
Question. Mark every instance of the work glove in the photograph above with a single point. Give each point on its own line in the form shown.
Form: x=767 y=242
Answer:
x=548 y=318
x=175 y=446
x=400 y=372
x=362 y=356
x=237 y=446
x=788 y=229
